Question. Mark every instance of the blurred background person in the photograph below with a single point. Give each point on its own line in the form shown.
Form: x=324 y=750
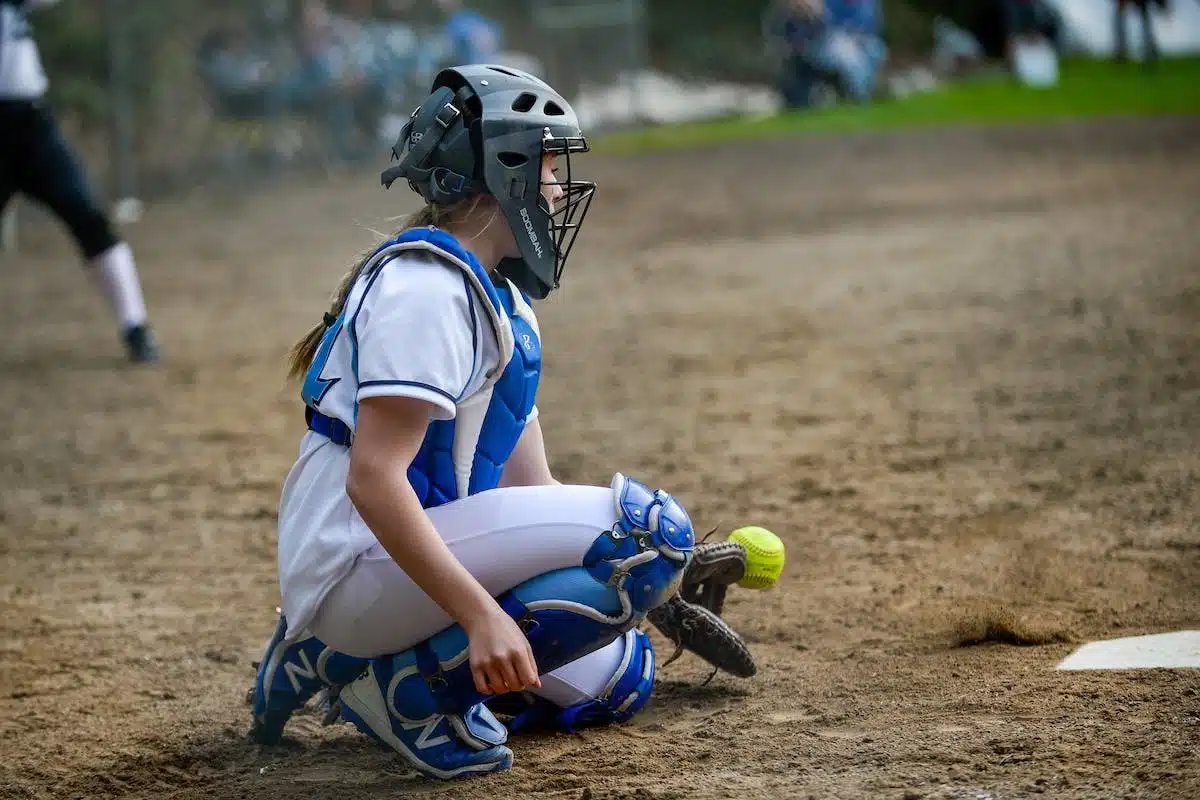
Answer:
x=794 y=32
x=825 y=47
x=1033 y=41
x=329 y=79
x=35 y=160
x=1031 y=21
x=860 y=24
x=474 y=38
x=1121 y=32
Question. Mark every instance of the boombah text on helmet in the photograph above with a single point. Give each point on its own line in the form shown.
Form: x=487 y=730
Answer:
x=485 y=129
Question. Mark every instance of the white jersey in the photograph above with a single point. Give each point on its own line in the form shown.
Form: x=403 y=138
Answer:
x=22 y=76
x=415 y=326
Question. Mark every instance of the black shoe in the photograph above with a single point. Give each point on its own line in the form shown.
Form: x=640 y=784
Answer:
x=140 y=342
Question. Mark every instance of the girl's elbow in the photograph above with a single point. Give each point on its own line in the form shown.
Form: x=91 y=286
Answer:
x=359 y=482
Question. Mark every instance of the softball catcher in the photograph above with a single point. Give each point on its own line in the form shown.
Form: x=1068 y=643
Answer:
x=430 y=565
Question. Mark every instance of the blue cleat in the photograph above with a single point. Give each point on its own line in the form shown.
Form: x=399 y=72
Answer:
x=393 y=704
x=289 y=675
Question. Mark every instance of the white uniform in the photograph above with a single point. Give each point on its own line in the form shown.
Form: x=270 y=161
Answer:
x=418 y=327
x=22 y=76
x=414 y=327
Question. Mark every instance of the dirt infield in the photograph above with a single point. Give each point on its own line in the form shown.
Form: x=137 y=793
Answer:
x=959 y=373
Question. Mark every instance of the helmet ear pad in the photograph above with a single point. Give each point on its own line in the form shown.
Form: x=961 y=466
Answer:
x=446 y=187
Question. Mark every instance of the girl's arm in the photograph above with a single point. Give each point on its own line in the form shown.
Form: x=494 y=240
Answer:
x=388 y=434
x=528 y=465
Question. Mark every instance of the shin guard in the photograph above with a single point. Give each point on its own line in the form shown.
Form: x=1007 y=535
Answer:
x=422 y=702
x=626 y=693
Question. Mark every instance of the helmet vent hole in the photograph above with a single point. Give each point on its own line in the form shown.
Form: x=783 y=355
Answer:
x=504 y=71
x=524 y=102
x=553 y=109
x=513 y=160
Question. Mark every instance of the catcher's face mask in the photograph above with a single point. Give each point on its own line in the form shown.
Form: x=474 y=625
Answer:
x=564 y=199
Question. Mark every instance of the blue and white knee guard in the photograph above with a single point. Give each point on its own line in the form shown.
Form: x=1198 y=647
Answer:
x=289 y=675
x=646 y=552
x=626 y=693
x=423 y=703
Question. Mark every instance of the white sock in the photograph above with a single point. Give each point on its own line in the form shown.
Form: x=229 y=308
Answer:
x=117 y=276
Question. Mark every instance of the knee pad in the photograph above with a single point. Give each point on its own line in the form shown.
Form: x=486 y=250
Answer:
x=644 y=555
x=626 y=693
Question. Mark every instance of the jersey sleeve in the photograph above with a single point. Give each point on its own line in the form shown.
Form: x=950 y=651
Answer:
x=416 y=334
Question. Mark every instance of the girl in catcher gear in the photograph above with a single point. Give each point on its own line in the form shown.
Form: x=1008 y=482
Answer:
x=429 y=563
x=36 y=161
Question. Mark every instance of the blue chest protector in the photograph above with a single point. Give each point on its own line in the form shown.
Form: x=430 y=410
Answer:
x=432 y=473
x=481 y=438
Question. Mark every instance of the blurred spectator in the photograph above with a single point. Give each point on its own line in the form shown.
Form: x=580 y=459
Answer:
x=1149 y=42
x=474 y=38
x=794 y=31
x=1031 y=21
x=237 y=72
x=955 y=49
x=861 y=23
x=826 y=43
x=325 y=80
x=381 y=55
x=1033 y=43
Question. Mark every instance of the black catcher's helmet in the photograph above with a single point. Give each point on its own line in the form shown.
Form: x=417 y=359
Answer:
x=485 y=128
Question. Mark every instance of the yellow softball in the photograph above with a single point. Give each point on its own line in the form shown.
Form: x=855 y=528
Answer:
x=764 y=556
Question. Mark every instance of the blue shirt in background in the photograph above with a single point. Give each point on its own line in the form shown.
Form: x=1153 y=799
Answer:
x=476 y=39
x=858 y=15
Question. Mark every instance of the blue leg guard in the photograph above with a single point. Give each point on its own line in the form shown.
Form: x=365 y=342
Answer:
x=289 y=675
x=645 y=553
x=624 y=695
x=423 y=704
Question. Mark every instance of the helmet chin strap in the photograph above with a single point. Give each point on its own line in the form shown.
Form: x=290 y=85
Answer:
x=517 y=271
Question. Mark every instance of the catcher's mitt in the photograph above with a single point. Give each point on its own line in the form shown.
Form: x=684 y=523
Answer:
x=692 y=618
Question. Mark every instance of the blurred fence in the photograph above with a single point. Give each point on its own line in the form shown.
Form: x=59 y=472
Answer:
x=167 y=96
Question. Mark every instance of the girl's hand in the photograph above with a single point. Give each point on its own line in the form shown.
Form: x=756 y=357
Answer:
x=501 y=658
